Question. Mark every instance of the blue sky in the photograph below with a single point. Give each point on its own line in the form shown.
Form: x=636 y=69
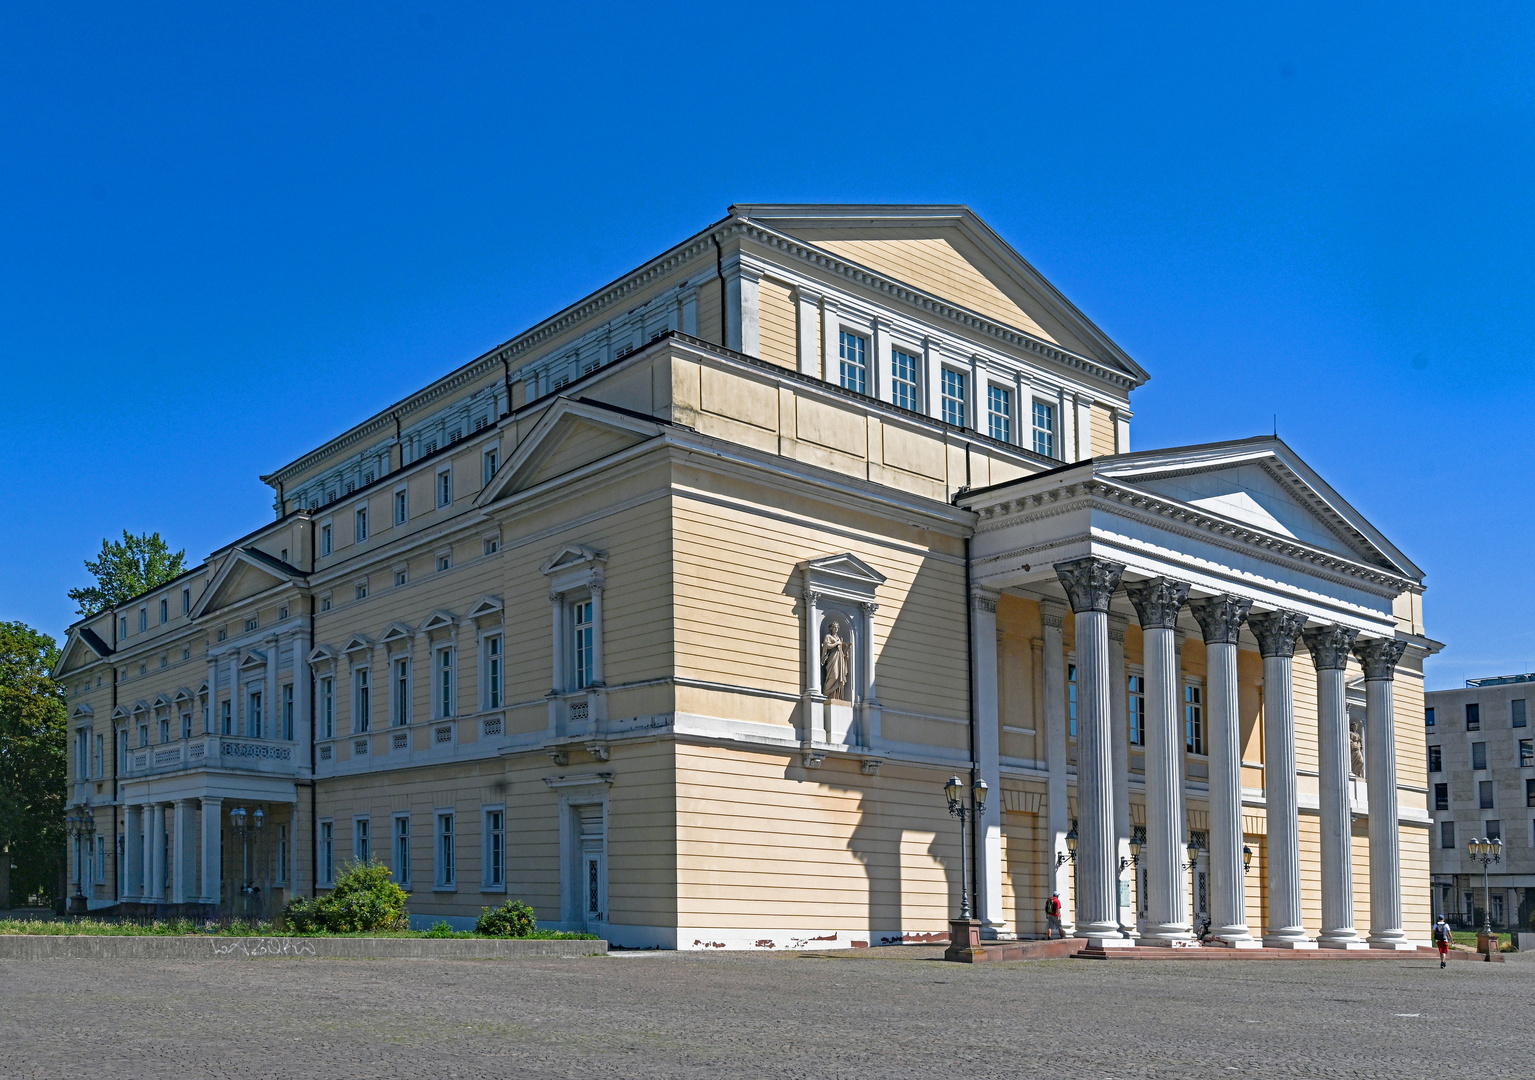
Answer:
x=229 y=234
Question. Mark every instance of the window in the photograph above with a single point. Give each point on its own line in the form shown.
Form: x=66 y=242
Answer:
x=1044 y=429
x=1526 y=753
x=853 y=353
x=327 y=540
x=1428 y=716
x=1435 y=762
x=1478 y=755
x=165 y=660
x=226 y=717
x=1473 y=716
x=1447 y=835
x=360 y=528
x=490 y=461
x=430 y=446
x=1071 y=700
x=493 y=672
x=401 y=691
x=287 y=712
x=165 y=729
x=325 y=602
x=82 y=753
x=122 y=626
x=360 y=590
x=1484 y=794
x=186 y=601
x=581 y=622
x=186 y=725
x=362 y=706
x=98 y=763
x=327 y=708
x=953 y=385
x=492 y=545
x=282 y=613
x=443 y=562
x=1516 y=714
x=251 y=624
x=1493 y=829
x=401 y=507
x=165 y=612
x=253 y=714
x=999 y=413
x=282 y=853
x=445 y=488
x=401 y=577
x=495 y=849
x=445 y=683
x=1441 y=796
x=1529 y=792
x=445 y=869
x=903 y=379
x=327 y=852
x=402 y=849
x=143 y=620
x=362 y=843
x=1193 y=719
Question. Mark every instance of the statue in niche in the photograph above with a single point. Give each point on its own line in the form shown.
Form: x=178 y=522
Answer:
x=1356 y=751
x=835 y=668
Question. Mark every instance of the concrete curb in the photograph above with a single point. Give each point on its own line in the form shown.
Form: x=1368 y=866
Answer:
x=104 y=947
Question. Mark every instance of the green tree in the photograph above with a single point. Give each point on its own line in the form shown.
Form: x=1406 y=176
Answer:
x=124 y=570
x=33 y=743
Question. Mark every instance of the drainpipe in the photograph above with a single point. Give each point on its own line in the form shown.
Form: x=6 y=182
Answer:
x=117 y=869
x=314 y=824
x=719 y=268
x=975 y=824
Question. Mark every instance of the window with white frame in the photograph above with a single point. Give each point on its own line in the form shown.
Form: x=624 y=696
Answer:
x=400 y=690
x=360 y=589
x=186 y=725
x=1137 y=711
x=492 y=672
x=494 y=876
x=401 y=506
x=401 y=576
x=492 y=544
x=1193 y=719
x=99 y=763
x=853 y=353
x=444 y=561
x=402 y=850
x=953 y=397
x=143 y=619
x=903 y=379
x=1044 y=429
x=360 y=530
x=122 y=626
x=327 y=852
x=583 y=642
x=446 y=872
x=287 y=712
x=445 y=487
x=101 y=859
x=446 y=683
x=226 y=717
x=83 y=754
x=490 y=461
x=282 y=854
x=165 y=612
x=253 y=713
x=999 y=413
x=165 y=729
x=327 y=708
x=362 y=840
x=362 y=702
x=186 y=601
x=327 y=539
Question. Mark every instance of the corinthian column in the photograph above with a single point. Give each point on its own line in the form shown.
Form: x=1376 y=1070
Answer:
x=1277 y=632
x=1089 y=584
x=1120 y=740
x=1157 y=602
x=1220 y=617
x=1329 y=647
x=1378 y=657
x=1053 y=675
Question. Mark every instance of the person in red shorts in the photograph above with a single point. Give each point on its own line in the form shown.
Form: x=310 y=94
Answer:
x=1442 y=939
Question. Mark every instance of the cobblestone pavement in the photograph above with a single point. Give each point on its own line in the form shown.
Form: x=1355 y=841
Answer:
x=882 y=1013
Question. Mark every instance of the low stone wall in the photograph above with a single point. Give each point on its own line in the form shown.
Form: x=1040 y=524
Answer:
x=104 y=947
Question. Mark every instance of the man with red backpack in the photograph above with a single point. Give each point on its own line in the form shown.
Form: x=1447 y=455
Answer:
x=1053 y=917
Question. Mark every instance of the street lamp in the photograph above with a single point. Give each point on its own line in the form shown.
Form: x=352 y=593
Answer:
x=247 y=827
x=1247 y=858
x=1135 y=855
x=954 y=791
x=1071 y=847
x=1486 y=852
x=1193 y=856
x=81 y=826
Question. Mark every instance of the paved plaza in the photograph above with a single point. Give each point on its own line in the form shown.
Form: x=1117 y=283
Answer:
x=880 y=1013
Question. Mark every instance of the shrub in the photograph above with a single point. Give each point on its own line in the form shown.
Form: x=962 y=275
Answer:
x=443 y=929
x=511 y=919
x=301 y=915
x=363 y=900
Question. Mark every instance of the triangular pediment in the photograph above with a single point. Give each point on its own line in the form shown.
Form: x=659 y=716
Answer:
x=320 y=654
x=83 y=711
x=120 y=713
x=162 y=701
x=253 y=660
x=397 y=631
x=571 y=556
x=439 y=620
x=571 y=436
x=357 y=643
x=183 y=694
x=82 y=648
x=844 y=575
x=849 y=566
x=245 y=573
x=488 y=605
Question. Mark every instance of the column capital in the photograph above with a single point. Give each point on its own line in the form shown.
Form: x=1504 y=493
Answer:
x=982 y=599
x=1276 y=631
x=1378 y=657
x=1220 y=617
x=1089 y=582
x=1157 y=601
x=1330 y=646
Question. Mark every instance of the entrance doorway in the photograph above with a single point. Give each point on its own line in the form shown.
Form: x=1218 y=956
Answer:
x=592 y=864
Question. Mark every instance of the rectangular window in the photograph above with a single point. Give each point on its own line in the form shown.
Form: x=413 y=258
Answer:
x=1137 y=710
x=251 y=624
x=165 y=612
x=1071 y=700
x=581 y=620
x=1447 y=835
x=401 y=691
x=853 y=353
x=495 y=849
x=401 y=507
x=1473 y=716
x=443 y=562
x=491 y=461
x=401 y=577
x=1044 y=429
x=1441 y=796
x=445 y=685
x=282 y=853
x=953 y=386
x=903 y=379
x=143 y=619
x=445 y=488
x=122 y=624
x=1484 y=794
x=1428 y=716
x=362 y=704
x=253 y=714
x=282 y=613
x=362 y=849
x=999 y=412
x=327 y=853
x=186 y=601
x=493 y=672
x=287 y=712
x=1516 y=714
x=327 y=540
x=1529 y=792
x=98 y=763
x=1478 y=755
x=186 y=725
x=1493 y=829
x=402 y=850
x=1193 y=720
x=446 y=876
x=361 y=590
x=226 y=717
x=327 y=708
x=165 y=729
x=1526 y=753
x=492 y=545
x=361 y=528
x=1435 y=761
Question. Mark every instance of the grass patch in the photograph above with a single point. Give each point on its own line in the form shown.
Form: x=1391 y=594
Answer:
x=85 y=925
x=1468 y=939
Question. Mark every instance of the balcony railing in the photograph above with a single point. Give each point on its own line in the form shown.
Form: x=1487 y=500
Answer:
x=214 y=751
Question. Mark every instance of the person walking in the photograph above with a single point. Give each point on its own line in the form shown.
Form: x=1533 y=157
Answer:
x=1053 y=917
x=1442 y=939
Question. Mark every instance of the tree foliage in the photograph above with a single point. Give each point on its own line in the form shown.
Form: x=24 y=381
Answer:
x=125 y=570
x=33 y=743
x=364 y=899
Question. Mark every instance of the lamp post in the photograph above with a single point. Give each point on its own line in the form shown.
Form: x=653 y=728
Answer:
x=81 y=827
x=1486 y=852
x=247 y=826
x=964 y=932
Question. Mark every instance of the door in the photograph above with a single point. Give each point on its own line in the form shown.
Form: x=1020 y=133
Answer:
x=592 y=831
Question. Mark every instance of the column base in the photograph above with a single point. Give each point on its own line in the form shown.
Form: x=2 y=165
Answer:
x=1169 y=935
x=1346 y=940
x=1110 y=943
x=1393 y=945
x=1239 y=941
x=1286 y=941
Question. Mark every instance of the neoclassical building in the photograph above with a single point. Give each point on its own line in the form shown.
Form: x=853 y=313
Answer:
x=673 y=614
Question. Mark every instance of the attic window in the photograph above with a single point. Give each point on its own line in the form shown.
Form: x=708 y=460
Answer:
x=251 y=624
x=350 y=487
x=282 y=612
x=223 y=633
x=330 y=496
x=455 y=435
x=367 y=478
x=480 y=422
x=431 y=445
x=186 y=654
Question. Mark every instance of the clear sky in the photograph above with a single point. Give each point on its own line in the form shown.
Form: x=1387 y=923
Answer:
x=228 y=235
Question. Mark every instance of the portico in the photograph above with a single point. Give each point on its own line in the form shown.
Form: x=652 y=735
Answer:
x=1241 y=547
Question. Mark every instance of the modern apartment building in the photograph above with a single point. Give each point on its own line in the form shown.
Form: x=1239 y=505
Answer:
x=673 y=614
x=1481 y=778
